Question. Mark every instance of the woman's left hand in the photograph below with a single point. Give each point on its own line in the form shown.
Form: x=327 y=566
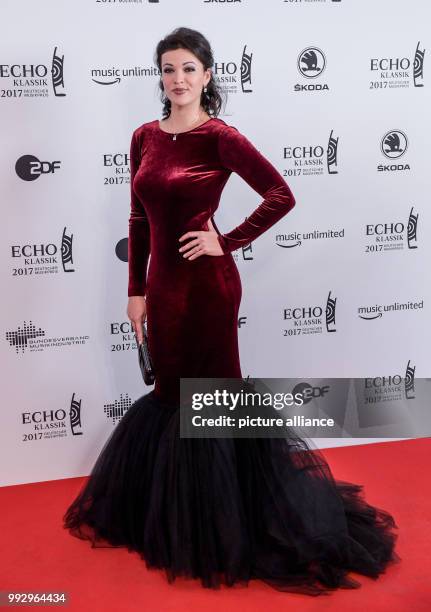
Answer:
x=204 y=243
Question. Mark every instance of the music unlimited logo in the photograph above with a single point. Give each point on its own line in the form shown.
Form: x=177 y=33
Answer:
x=114 y=75
x=376 y=311
x=297 y=239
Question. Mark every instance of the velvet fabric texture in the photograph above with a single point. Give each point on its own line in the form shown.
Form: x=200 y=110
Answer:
x=192 y=306
x=219 y=510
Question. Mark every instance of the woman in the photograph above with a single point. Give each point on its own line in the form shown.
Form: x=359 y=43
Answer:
x=222 y=510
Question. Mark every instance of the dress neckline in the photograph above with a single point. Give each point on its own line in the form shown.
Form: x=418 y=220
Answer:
x=186 y=131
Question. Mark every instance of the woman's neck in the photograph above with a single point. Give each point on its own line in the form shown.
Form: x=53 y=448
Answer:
x=181 y=121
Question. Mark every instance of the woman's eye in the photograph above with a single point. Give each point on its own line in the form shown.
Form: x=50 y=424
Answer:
x=189 y=69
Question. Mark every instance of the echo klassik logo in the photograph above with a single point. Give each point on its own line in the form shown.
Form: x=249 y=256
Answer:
x=398 y=72
x=393 y=235
x=391 y=386
x=314 y=159
x=53 y=423
x=393 y=145
x=34 y=339
x=244 y=253
x=372 y=312
x=234 y=76
x=29 y=80
x=43 y=257
x=29 y=167
x=121 y=336
x=310 y=318
x=118 y=167
x=311 y=63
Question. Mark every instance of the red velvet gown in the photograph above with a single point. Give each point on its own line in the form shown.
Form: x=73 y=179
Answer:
x=222 y=510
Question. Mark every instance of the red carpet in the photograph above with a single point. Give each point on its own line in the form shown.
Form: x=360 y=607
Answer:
x=39 y=555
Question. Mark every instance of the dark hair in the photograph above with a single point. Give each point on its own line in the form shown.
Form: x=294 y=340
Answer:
x=194 y=41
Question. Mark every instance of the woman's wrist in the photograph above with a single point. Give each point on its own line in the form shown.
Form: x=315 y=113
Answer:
x=223 y=243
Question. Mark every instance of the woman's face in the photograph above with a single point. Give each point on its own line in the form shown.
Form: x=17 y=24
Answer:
x=183 y=77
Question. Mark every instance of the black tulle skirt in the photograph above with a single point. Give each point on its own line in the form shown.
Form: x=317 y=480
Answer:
x=227 y=510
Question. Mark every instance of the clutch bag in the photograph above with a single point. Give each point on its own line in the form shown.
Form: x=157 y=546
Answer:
x=144 y=358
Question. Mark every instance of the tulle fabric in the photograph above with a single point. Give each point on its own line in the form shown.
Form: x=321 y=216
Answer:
x=226 y=510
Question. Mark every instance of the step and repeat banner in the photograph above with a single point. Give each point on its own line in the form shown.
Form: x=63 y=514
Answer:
x=335 y=93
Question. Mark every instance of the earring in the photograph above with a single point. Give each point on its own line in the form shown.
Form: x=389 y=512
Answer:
x=205 y=89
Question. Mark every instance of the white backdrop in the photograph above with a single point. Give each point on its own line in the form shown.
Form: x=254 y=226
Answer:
x=335 y=94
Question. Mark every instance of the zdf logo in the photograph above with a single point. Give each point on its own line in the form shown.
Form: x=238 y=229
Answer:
x=29 y=168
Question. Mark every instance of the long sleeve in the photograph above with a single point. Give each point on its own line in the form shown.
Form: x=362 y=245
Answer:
x=139 y=245
x=238 y=154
